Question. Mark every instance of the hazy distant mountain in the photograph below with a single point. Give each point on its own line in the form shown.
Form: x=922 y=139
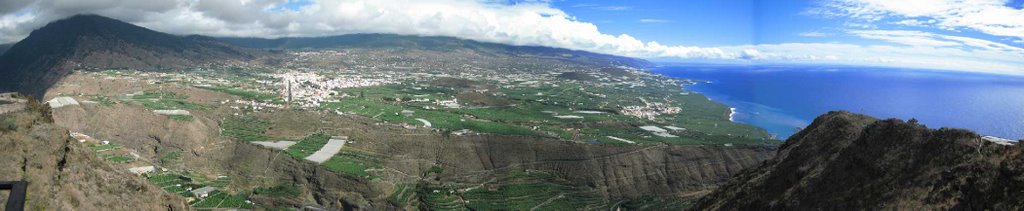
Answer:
x=49 y=53
x=432 y=43
x=849 y=161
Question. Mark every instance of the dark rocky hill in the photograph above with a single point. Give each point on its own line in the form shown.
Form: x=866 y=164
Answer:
x=89 y=41
x=848 y=161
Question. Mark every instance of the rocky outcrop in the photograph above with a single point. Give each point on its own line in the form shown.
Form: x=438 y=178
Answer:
x=63 y=174
x=849 y=161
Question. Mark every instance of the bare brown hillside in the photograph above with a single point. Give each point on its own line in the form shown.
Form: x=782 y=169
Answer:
x=63 y=174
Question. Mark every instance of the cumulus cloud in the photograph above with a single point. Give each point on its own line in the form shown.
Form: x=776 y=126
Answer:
x=527 y=23
x=993 y=17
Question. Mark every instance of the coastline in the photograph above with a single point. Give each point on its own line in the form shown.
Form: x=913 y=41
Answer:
x=732 y=114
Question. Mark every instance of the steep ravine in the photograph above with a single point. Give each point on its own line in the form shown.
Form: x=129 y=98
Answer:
x=618 y=171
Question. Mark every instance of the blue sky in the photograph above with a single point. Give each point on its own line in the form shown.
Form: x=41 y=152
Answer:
x=958 y=35
x=720 y=23
x=670 y=22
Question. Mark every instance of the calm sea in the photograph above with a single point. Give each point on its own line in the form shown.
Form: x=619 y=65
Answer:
x=782 y=99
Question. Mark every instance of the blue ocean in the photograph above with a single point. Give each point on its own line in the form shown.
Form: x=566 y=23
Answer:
x=783 y=99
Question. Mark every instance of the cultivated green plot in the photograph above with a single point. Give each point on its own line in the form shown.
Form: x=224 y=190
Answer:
x=354 y=162
x=439 y=198
x=246 y=94
x=403 y=194
x=118 y=158
x=181 y=118
x=219 y=199
x=104 y=147
x=591 y=113
x=163 y=100
x=439 y=119
x=532 y=190
x=170 y=157
x=181 y=184
x=174 y=183
x=245 y=128
x=308 y=145
x=103 y=100
x=279 y=191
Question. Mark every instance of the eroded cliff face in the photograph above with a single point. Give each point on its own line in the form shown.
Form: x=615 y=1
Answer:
x=849 y=161
x=616 y=171
x=63 y=174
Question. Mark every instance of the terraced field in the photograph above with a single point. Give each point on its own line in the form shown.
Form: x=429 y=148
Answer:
x=521 y=190
x=571 y=111
x=245 y=128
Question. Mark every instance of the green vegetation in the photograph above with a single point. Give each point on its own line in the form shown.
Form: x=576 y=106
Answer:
x=170 y=157
x=535 y=108
x=281 y=191
x=162 y=100
x=532 y=190
x=309 y=145
x=219 y=199
x=439 y=198
x=403 y=194
x=181 y=183
x=180 y=118
x=118 y=158
x=104 y=147
x=244 y=94
x=354 y=162
x=435 y=170
x=220 y=182
x=174 y=183
x=103 y=100
x=245 y=128
x=438 y=119
x=518 y=190
x=8 y=124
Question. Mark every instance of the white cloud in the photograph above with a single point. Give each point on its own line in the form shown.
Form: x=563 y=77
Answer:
x=650 y=20
x=987 y=16
x=925 y=39
x=520 y=24
x=613 y=8
x=813 y=34
x=911 y=38
x=925 y=57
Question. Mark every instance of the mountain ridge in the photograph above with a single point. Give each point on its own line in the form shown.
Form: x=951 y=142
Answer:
x=850 y=161
x=431 y=43
x=91 y=41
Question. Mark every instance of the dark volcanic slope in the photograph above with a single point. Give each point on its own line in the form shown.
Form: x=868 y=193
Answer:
x=49 y=53
x=849 y=161
x=432 y=43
